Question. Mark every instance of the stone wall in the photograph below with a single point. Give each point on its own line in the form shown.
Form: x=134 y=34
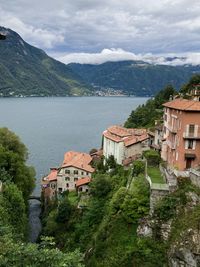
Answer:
x=195 y=177
x=155 y=196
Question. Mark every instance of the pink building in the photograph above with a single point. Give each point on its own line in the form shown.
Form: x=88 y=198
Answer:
x=181 y=148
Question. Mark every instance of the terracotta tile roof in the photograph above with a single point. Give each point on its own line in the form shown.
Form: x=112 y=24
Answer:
x=112 y=137
x=183 y=104
x=83 y=181
x=128 y=136
x=53 y=174
x=135 y=139
x=119 y=131
x=78 y=160
x=129 y=160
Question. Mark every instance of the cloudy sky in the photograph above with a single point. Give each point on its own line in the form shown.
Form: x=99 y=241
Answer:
x=98 y=30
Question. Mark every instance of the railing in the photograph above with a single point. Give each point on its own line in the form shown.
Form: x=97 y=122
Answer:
x=191 y=135
x=196 y=172
x=173 y=128
x=157 y=186
x=171 y=144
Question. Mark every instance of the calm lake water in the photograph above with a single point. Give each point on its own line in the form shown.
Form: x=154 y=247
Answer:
x=51 y=126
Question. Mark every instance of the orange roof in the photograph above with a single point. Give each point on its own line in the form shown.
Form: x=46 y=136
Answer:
x=128 y=136
x=119 y=131
x=52 y=175
x=78 y=160
x=112 y=137
x=183 y=104
x=135 y=139
x=83 y=181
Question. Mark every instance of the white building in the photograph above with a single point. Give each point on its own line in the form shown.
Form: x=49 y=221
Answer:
x=75 y=166
x=124 y=144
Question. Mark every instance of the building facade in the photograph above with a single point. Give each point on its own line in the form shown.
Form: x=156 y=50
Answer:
x=82 y=185
x=181 y=148
x=49 y=184
x=75 y=166
x=123 y=143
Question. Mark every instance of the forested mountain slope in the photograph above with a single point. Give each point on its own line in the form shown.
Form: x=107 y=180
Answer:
x=27 y=70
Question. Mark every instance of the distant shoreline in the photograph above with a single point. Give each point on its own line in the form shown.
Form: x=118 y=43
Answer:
x=39 y=96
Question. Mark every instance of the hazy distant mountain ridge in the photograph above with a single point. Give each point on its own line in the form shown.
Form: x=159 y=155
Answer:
x=134 y=77
x=27 y=70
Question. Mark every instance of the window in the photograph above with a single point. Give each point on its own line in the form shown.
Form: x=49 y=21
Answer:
x=82 y=173
x=53 y=186
x=191 y=129
x=67 y=179
x=75 y=179
x=87 y=173
x=60 y=189
x=190 y=144
x=67 y=185
x=67 y=171
x=75 y=172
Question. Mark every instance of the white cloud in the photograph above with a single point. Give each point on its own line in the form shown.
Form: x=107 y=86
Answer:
x=97 y=58
x=36 y=36
x=161 y=26
x=120 y=55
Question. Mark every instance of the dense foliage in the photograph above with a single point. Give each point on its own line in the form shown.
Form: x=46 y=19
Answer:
x=186 y=88
x=146 y=114
x=13 y=168
x=17 y=182
x=105 y=230
x=153 y=157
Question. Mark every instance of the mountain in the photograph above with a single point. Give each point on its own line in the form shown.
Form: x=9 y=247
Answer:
x=134 y=77
x=26 y=70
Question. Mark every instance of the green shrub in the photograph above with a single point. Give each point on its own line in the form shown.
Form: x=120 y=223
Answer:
x=166 y=208
x=153 y=157
x=138 y=167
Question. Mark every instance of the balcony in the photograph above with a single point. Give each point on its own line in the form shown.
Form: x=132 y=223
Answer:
x=188 y=135
x=171 y=144
x=172 y=129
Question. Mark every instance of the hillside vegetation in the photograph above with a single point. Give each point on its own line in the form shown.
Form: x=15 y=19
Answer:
x=26 y=70
x=146 y=114
x=106 y=229
x=17 y=182
x=134 y=77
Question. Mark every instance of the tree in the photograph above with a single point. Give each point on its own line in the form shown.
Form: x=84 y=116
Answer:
x=153 y=157
x=111 y=162
x=118 y=199
x=136 y=202
x=16 y=208
x=64 y=210
x=20 y=254
x=100 y=186
x=186 y=88
x=145 y=115
x=138 y=167
x=13 y=156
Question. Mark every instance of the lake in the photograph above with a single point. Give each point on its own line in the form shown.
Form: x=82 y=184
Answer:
x=50 y=126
